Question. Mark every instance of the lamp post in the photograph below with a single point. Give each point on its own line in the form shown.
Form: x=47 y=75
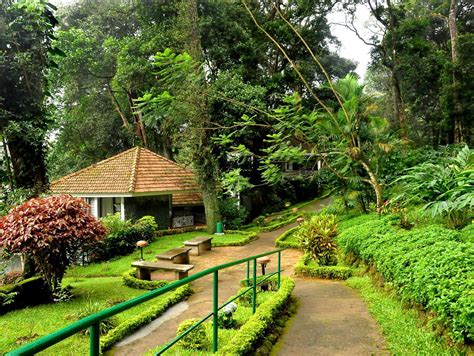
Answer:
x=141 y=244
x=263 y=261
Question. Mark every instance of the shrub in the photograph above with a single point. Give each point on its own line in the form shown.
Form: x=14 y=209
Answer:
x=446 y=188
x=316 y=237
x=264 y=319
x=196 y=339
x=225 y=318
x=51 y=230
x=304 y=268
x=428 y=266
x=130 y=279
x=284 y=240
x=232 y=215
x=122 y=236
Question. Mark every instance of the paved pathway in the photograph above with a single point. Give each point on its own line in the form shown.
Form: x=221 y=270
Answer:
x=331 y=317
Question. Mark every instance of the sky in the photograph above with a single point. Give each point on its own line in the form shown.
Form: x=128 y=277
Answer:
x=351 y=46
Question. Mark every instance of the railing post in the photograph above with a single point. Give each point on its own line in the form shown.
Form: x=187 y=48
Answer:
x=254 y=286
x=279 y=268
x=248 y=273
x=94 y=335
x=215 y=311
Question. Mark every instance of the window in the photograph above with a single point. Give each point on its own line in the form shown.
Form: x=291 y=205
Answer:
x=117 y=205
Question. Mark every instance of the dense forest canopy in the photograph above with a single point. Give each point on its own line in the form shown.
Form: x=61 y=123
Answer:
x=237 y=90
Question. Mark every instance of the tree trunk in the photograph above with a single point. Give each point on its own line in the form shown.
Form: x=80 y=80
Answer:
x=211 y=206
x=27 y=158
x=374 y=182
x=453 y=33
x=196 y=95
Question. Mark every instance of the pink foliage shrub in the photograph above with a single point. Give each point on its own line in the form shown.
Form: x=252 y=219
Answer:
x=51 y=231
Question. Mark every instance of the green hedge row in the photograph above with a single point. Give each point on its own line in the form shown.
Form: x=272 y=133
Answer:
x=280 y=224
x=429 y=266
x=180 y=230
x=130 y=279
x=303 y=268
x=282 y=240
x=128 y=327
x=251 y=333
x=250 y=236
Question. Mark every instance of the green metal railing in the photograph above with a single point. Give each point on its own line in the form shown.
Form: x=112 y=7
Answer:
x=93 y=321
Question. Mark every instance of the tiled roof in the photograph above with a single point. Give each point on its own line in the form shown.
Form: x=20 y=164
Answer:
x=187 y=199
x=137 y=170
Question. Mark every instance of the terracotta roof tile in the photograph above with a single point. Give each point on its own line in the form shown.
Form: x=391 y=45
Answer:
x=137 y=170
x=187 y=199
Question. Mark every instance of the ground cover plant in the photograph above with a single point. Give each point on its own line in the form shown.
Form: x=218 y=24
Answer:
x=428 y=266
x=401 y=326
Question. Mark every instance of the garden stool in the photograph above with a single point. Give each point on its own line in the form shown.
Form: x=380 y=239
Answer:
x=263 y=261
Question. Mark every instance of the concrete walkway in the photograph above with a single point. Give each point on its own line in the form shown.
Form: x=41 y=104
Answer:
x=331 y=319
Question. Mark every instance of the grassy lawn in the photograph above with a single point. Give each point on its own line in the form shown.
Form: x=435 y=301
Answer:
x=98 y=283
x=21 y=326
x=400 y=326
x=116 y=267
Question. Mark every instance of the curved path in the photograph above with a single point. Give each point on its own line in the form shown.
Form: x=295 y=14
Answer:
x=331 y=317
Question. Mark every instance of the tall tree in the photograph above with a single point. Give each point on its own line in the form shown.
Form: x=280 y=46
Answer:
x=26 y=42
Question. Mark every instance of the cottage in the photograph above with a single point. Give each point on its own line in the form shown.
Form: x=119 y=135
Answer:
x=135 y=183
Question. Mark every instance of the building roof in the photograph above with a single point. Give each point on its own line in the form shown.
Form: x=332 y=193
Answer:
x=187 y=199
x=135 y=171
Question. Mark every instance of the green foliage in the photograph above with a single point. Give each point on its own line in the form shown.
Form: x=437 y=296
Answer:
x=252 y=332
x=196 y=339
x=130 y=279
x=305 y=268
x=288 y=239
x=244 y=238
x=122 y=236
x=400 y=326
x=28 y=292
x=51 y=230
x=316 y=237
x=13 y=198
x=447 y=188
x=90 y=308
x=135 y=322
x=428 y=266
x=232 y=215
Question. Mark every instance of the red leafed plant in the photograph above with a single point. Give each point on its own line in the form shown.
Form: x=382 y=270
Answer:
x=51 y=230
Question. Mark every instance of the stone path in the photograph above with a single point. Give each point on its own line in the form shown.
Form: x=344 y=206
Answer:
x=331 y=319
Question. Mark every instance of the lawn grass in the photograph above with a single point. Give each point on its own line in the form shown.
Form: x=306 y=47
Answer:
x=30 y=323
x=117 y=266
x=401 y=327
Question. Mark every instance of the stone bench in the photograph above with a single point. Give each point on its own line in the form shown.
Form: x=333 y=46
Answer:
x=144 y=268
x=176 y=255
x=199 y=245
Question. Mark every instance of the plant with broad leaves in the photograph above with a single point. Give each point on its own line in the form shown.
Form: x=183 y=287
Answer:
x=51 y=230
x=316 y=237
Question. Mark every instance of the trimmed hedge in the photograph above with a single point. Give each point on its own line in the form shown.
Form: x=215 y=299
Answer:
x=250 y=236
x=126 y=328
x=280 y=224
x=180 y=230
x=130 y=279
x=252 y=332
x=303 y=268
x=282 y=241
x=428 y=266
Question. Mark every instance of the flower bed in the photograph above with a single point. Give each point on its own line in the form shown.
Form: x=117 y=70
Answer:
x=308 y=268
x=287 y=239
